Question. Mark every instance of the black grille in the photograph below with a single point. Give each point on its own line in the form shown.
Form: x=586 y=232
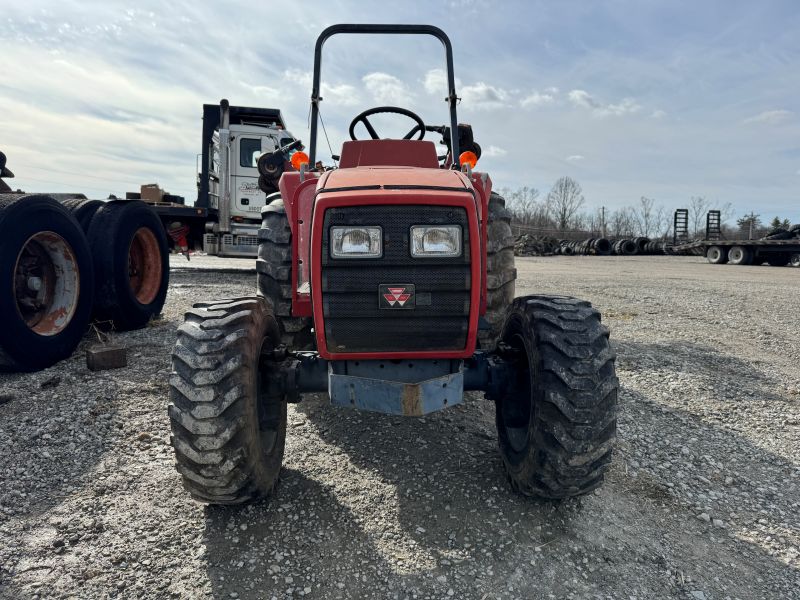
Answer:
x=353 y=320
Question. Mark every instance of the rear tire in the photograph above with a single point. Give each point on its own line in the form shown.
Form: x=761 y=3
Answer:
x=501 y=274
x=556 y=421
x=794 y=259
x=716 y=255
x=274 y=267
x=46 y=282
x=83 y=210
x=778 y=260
x=131 y=260
x=740 y=255
x=227 y=432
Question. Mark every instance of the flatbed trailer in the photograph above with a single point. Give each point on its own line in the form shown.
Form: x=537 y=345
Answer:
x=745 y=252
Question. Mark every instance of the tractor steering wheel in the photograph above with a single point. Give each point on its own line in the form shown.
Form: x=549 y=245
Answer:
x=362 y=118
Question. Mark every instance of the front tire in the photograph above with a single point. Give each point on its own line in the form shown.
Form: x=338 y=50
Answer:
x=501 y=274
x=274 y=267
x=228 y=429
x=556 y=420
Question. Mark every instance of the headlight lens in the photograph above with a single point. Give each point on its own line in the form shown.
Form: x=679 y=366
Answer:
x=435 y=240
x=356 y=242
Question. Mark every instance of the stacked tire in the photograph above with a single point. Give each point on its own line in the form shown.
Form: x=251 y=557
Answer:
x=65 y=263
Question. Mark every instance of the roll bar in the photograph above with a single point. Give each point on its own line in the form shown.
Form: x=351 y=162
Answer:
x=452 y=98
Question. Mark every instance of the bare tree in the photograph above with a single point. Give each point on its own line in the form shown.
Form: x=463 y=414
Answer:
x=698 y=206
x=644 y=215
x=620 y=223
x=523 y=204
x=664 y=222
x=564 y=201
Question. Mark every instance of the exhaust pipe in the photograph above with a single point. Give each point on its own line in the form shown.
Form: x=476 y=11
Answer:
x=224 y=207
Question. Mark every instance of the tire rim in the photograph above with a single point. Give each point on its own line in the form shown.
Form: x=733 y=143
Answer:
x=144 y=265
x=269 y=407
x=715 y=254
x=736 y=254
x=795 y=260
x=46 y=283
x=515 y=410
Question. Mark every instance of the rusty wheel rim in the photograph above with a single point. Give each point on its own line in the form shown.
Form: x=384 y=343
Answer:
x=144 y=265
x=46 y=283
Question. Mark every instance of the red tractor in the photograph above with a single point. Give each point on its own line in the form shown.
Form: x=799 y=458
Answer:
x=388 y=283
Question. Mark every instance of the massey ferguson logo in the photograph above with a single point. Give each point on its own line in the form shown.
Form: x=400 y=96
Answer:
x=396 y=296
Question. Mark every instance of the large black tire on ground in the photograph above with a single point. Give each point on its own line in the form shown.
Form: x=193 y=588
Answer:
x=778 y=259
x=274 y=267
x=131 y=262
x=83 y=210
x=716 y=255
x=40 y=240
x=556 y=419
x=501 y=274
x=794 y=259
x=228 y=429
x=740 y=255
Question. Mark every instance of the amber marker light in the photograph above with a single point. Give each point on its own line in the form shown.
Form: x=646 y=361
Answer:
x=468 y=158
x=299 y=159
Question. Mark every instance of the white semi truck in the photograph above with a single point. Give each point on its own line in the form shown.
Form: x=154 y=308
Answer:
x=230 y=192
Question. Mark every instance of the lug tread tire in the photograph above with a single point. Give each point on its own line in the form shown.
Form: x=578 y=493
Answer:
x=574 y=399
x=501 y=274
x=213 y=411
x=274 y=272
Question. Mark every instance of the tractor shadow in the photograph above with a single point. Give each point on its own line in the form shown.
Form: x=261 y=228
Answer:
x=448 y=494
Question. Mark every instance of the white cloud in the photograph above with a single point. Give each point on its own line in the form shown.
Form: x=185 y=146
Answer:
x=575 y=158
x=583 y=99
x=340 y=94
x=536 y=99
x=658 y=114
x=626 y=107
x=494 y=151
x=387 y=89
x=771 y=117
x=436 y=82
x=482 y=96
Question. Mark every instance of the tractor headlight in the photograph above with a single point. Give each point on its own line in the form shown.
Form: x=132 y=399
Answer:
x=435 y=241
x=356 y=242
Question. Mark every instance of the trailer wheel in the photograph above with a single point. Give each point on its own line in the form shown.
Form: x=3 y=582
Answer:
x=46 y=281
x=274 y=267
x=716 y=255
x=794 y=259
x=83 y=210
x=778 y=260
x=131 y=260
x=501 y=274
x=228 y=429
x=740 y=255
x=556 y=420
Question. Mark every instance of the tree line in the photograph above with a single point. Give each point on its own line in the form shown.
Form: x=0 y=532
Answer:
x=564 y=209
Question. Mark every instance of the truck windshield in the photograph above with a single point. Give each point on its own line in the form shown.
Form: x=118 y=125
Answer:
x=249 y=151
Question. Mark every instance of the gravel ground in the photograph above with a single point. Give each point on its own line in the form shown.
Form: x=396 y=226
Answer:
x=702 y=500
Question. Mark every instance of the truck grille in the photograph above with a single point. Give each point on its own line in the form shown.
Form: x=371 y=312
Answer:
x=353 y=320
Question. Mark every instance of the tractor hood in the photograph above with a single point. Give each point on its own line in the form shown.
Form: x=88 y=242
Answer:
x=393 y=178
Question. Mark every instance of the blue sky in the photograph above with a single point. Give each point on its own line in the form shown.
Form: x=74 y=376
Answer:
x=668 y=100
